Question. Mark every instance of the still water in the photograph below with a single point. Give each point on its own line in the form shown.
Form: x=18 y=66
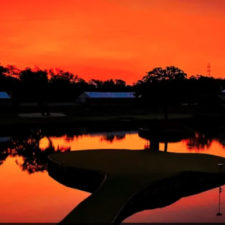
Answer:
x=28 y=194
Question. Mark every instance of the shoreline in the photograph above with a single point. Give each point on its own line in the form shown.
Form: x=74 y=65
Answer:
x=131 y=188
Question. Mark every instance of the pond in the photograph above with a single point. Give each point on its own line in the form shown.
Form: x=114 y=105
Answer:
x=29 y=194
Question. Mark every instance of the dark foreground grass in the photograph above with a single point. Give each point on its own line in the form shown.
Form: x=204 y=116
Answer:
x=121 y=175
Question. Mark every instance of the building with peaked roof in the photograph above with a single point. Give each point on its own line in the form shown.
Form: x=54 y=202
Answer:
x=222 y=95
x=4 y=95
x=106 y=97
x=5 y=101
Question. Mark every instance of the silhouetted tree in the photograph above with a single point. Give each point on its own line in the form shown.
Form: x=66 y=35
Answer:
x=98 y=84
x=62 y=77
x=33 y=85
x=65 y=86
x=13 y=71
x=8 y=82
x=3 y=71
x=159 y=74
x=161 y=86
x=108 y=85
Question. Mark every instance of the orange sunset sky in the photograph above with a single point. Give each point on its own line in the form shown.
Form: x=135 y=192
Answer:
x=105 y=39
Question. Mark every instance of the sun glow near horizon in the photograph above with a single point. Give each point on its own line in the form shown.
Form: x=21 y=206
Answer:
x=114 y=39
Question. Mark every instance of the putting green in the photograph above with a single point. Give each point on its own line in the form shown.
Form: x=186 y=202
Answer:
x=123 y=174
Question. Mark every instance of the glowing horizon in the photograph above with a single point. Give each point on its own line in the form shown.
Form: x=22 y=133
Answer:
x=118 y=39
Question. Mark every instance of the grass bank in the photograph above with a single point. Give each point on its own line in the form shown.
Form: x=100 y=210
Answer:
x=122 y=175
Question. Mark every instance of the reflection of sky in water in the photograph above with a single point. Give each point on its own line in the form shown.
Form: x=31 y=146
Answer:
x=35 y=197
x=110 y=140
x=131 y=140
x=200 y=208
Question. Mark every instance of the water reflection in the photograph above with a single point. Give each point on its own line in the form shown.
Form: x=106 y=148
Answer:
x=34 y=159
x=31 y=149
x=33 y=198
x=155 y=136
x=219 y=213
x=200 y=208
x=219 y=203
x=199 y=142
x=35 y=146
x=4 y=142
x=111 y=138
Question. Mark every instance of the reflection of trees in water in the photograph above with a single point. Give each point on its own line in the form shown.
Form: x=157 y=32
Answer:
x=34 y=158
x=4 y=151
x=3 y=155
x=111 y=138
x=70 y=138
x=221 y=139
x=199 y=141
x=147 y=146
x=153 y=145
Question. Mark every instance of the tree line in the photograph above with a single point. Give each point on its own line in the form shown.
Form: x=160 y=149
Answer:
x=169 y=85
x=53 y=85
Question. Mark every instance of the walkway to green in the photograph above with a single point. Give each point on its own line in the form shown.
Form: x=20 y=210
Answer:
x=127 y=173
